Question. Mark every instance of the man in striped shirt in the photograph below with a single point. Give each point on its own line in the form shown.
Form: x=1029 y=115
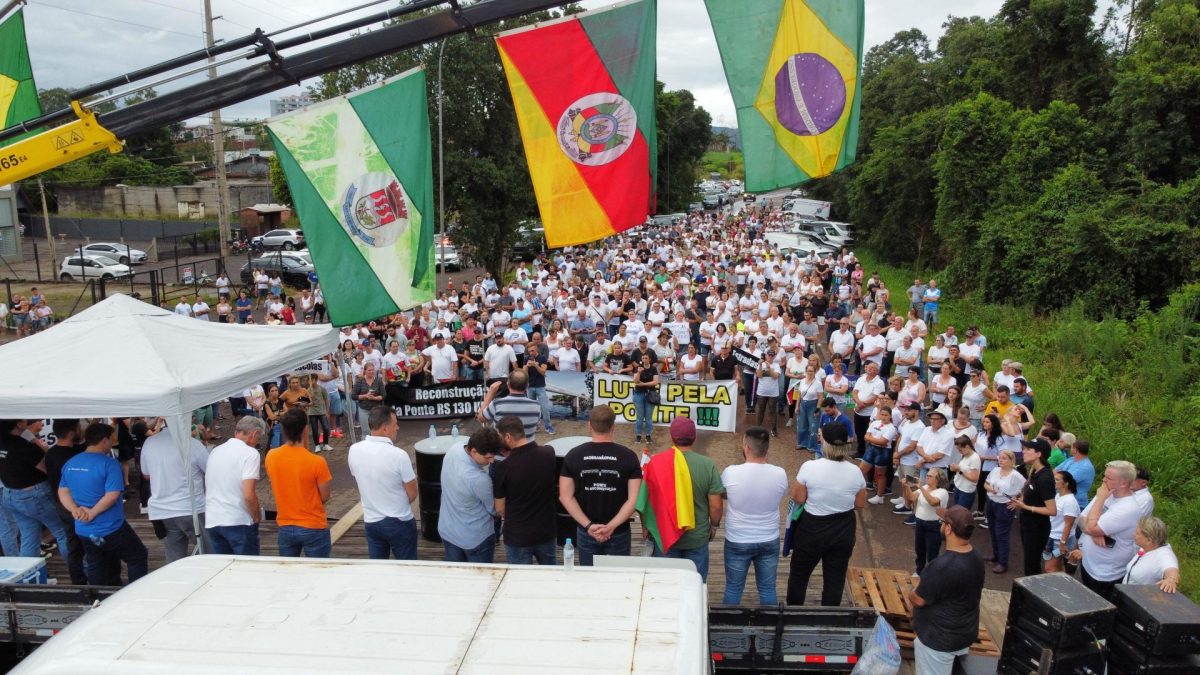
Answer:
x=516 y=403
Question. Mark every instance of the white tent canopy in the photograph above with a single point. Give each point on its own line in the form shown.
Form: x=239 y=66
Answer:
x=126 y=358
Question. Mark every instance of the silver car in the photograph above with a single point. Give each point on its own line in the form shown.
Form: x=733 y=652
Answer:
x=122 y=253
x=285 y=239
x=91 y=267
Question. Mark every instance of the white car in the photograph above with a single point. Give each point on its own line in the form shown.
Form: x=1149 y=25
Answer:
x=122 y=253
x=84 y=267
x=285 y=239
x=452 y=258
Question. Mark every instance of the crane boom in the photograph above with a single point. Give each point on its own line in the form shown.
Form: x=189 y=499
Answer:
x=90 y=133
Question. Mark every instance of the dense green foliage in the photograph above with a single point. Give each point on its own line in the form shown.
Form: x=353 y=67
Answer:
x=1131 y=388
x=684 y=130
x=1038 y=157
x=730 y=164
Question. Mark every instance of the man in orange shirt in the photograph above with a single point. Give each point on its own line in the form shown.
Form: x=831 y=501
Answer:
x=300 y=481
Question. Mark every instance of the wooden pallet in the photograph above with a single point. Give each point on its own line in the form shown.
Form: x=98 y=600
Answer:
x=887 y=591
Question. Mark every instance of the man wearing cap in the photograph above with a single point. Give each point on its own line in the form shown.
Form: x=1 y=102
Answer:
x=946 y=600
x=906 y=458
x=830 y=413
x=933 y=448
x=1037 y=503
x=707 y=491
x=441 y=360
x=643 y=348
x=767 y=389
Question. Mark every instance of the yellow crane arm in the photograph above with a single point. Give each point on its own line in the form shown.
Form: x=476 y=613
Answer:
x=55 y=147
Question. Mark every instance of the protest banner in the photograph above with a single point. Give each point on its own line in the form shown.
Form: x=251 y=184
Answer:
x=318 y=367
x=453 y=399
x=710 y=403
x=746 y=360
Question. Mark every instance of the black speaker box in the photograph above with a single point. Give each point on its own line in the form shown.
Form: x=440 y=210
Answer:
x=1023 y=654
x=1059 y=611
x=1158 y=623
x=1129 y=659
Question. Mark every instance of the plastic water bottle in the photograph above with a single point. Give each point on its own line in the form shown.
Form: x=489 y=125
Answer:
x=454 y=431
x=568 y=556
x=432 y=433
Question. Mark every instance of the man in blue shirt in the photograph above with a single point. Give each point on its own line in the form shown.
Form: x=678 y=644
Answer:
x=90 y=489
x=1080 y=466
x=830 y=413
x=931 y=298
x=465 y=519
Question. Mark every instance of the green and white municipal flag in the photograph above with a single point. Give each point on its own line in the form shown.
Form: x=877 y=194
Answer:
x=361 y=175
x=18 y=93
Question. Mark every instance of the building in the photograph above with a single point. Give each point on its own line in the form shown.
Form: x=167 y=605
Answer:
x=287 y=104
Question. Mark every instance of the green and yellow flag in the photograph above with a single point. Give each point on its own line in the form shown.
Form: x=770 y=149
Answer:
x=793 y=69
x=18 y=93
x=361 y=175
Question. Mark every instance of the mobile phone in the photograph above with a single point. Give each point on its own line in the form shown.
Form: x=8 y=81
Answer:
x=911 y=480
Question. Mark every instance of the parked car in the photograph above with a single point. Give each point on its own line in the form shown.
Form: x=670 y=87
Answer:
x=449 y=255
x=84 y=267
x=285 y=239
x=531 y=241
x=293 y=273
x=695 y=206
x=711 y=200
x=122 y=253
x=304 y=257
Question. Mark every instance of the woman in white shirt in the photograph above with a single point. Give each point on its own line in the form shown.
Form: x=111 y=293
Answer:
x=975 y=397
x=940 y=384
x=691 y=365
x=837 y=384
x=966 y=471
x=721 y=338
x=913 y=389
x=1155 y=562
x=807 y=392
x=927 y=499
x=1062 y=523
x=830 y=489
x=1002 y=485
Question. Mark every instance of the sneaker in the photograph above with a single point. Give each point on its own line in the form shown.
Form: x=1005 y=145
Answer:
x=983 y=524
x=48 y=546
x=910 y=521
x=637 y=439
x=789 y=424
x=876 y=500
x=318 y=449
x=328 y=448
x=337 y=433
x=916 y=575
x=977 y=515
x=889 y=492
x=898 y=501
x=143 y=510
x=551 y=431
x=902 y=510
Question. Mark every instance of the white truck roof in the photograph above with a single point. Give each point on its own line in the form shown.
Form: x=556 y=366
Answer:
x=233 y=614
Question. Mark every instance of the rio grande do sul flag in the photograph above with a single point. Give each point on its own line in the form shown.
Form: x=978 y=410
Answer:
x=793 y=70
x=361 y=175
x=583 y=90
x=665 y=501
x=18 y=93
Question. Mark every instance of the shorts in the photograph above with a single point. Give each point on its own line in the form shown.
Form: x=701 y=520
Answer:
x=1055 y=549
x=20 y=319
x=262 y=293
x=877 y=456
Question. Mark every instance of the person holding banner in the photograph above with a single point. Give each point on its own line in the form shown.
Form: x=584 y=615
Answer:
x=645 y=383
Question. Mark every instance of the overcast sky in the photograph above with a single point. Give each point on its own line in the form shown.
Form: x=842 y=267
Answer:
x=77 y=42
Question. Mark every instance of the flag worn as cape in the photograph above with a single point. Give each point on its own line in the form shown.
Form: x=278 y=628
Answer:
x=665 y=502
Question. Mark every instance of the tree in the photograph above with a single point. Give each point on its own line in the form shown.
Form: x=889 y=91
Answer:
x=1041 y=144
x=684 y=133
x=1054 y=51
x=280 y=191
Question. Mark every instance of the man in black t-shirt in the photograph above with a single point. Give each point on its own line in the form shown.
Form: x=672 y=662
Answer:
x=29 y=498
x=66 y=446
x=723 y=365
x=598 y=486
x=946 y=603
x=524 y=489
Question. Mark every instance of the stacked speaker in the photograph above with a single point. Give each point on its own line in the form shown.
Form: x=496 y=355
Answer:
x=1156 y=633
x=1055 y=627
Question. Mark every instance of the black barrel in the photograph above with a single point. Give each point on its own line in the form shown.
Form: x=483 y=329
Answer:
x=429 y=483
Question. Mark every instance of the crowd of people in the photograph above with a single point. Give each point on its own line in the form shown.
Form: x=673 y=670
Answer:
x=28 y=314
x=883 y=399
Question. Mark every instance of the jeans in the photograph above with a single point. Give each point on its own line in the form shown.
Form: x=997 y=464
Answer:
x=698 y=556
x=546 y=554
x=932 y=662
x=181 y=537
x=319 y=427
x=999 y=520
x=928 y=541
x=276 y=436
x=748 y=388
x=234 y=539
x=471 y=374
x=74 y=551
x=315 y=543
x=586 y=546
x=806 y=425
x=645 y=412
x=539 y=394
x=765 y=556
x=485 y=552
x=33 y=508
x=104 y=555
x=392 y=536
x=9 y=541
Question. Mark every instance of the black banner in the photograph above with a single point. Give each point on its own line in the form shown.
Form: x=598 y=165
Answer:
x=454 y=399
x=745 y=359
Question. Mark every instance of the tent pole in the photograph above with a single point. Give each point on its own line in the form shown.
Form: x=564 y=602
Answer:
x=351 y=420
x=179 y=427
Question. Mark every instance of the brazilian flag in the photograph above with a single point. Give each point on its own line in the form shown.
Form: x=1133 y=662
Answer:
x=793 y=70
x=18 y=93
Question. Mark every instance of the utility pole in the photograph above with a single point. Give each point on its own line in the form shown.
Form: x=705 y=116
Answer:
x=218 y=142
x=46 y=222
x=441 y=172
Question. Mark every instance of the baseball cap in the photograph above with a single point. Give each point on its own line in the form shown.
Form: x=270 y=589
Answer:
x=834 y=433
x=960 y=521
x=1039 y=444
x=914 y=406
x=683 y=431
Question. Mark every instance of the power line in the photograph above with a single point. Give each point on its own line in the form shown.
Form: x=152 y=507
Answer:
x=115 y=20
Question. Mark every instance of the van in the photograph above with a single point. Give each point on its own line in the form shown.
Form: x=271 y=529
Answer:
x=812 y=208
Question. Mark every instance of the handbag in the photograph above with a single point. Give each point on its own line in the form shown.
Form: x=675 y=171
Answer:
x=653 y=397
